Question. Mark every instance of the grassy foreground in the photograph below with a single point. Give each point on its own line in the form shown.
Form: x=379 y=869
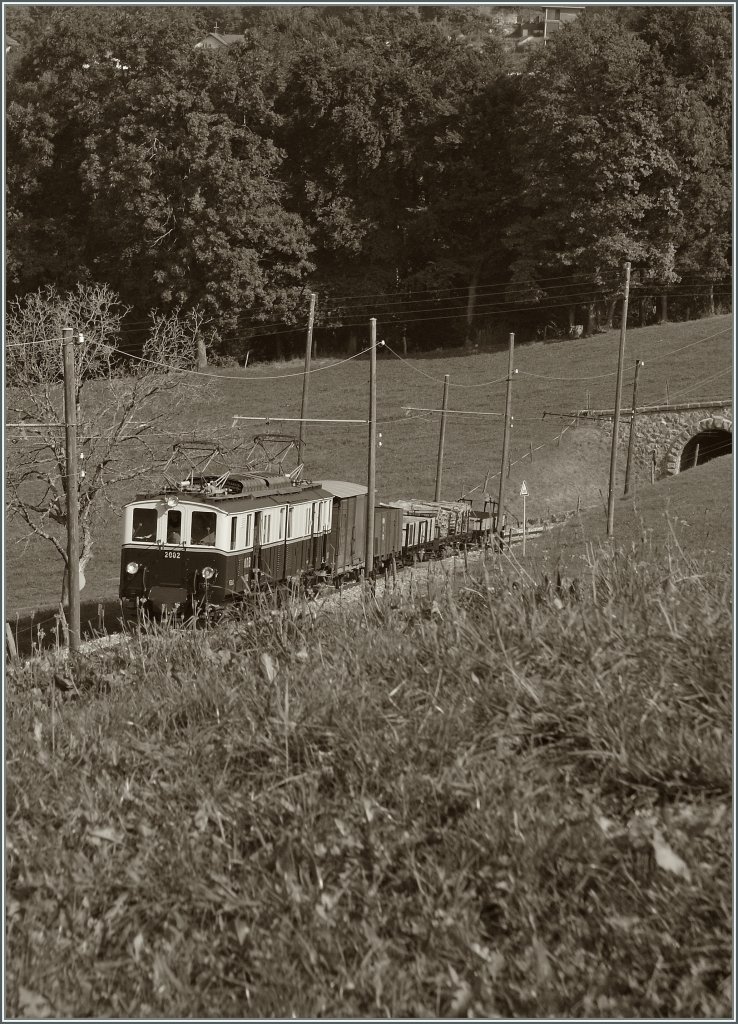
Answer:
x=486 y=798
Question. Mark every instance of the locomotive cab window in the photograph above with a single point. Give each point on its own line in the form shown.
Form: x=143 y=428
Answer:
x=234 y=532
x=174 y=526
x=144 y=524
x=203 y=528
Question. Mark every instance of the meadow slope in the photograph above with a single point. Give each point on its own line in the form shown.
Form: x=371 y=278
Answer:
x=490 y=798
x=497 y=794
x=692 y=359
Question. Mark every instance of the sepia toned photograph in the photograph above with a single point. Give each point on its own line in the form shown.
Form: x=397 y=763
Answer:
x=369 y=527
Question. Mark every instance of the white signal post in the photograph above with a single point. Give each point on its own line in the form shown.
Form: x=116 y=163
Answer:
x=523 y=495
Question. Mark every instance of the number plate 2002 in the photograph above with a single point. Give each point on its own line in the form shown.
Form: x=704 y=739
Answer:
x=172 y=554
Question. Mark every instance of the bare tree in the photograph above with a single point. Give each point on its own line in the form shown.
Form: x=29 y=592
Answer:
x=127 y=400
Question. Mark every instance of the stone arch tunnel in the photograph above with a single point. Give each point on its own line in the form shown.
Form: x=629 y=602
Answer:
x=694 y=439
x=671 y=438
x=707 y=445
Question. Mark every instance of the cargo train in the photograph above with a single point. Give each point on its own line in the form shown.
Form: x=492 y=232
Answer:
x=213 y=540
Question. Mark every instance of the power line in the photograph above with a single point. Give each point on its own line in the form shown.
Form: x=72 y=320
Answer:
x=392 y=318
x=437 y=380
x=483 y=309
x=706 y=380
x=243 y=380
x=504 y=292
x=453 y=412
x=537 y=282
x=652 y=359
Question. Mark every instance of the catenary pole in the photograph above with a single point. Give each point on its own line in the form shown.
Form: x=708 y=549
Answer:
x=306 y=377
x=505 y=442
x=70 y=420
x=442 y=439
x=631 y=438
x=616 y=416
x=371 y=469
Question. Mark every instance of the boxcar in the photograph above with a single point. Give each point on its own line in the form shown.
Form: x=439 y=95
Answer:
x=347 y=541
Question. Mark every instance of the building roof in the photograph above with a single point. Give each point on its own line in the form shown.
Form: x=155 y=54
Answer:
x=10 y=41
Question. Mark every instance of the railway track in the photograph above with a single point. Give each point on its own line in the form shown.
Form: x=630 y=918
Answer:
x=406 y=578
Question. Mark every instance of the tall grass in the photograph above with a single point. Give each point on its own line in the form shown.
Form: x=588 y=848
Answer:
x=494 y=796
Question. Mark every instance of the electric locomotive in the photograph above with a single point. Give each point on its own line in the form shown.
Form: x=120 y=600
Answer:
x=212 y=539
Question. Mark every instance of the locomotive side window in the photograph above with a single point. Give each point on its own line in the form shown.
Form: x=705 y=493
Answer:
x=282 y=521
x=241 y=532
x=203 y=528
x=174 y=526
x=266 y=524
x=144 y=524
x=291 y=522
x=301 y=521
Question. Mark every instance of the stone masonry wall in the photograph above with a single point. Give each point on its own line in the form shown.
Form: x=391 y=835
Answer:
x=667 y=433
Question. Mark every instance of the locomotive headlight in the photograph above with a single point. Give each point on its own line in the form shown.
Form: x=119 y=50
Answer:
x=132 y=568
x=208 y=572
x=172 y=501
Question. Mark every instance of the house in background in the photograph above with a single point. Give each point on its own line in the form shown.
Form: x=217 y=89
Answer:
x=554 y=18
x=218 y=40
x=523 y=27
x=10 y=44
x=536 y=25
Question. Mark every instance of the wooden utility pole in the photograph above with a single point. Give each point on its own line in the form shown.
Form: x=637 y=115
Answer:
x=505 y=442
x=441 y=439
x=306 y=375
x=631 y=439
x=616 y=417
x=371 y=473
x=70 y=420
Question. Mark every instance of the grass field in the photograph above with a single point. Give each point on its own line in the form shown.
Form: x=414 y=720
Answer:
x=503 y=794
x=488 y=798
x=553 y=377
x=689 y=516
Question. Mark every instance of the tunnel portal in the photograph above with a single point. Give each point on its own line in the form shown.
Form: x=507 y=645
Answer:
x=707 y=445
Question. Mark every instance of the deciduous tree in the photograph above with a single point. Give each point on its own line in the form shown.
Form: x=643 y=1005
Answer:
x=598 y=181
x=160 y=172
x=121 y=404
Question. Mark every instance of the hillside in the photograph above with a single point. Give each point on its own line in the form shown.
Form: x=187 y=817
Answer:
x=476 y=800
x=690 y=516
x=553 y=377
